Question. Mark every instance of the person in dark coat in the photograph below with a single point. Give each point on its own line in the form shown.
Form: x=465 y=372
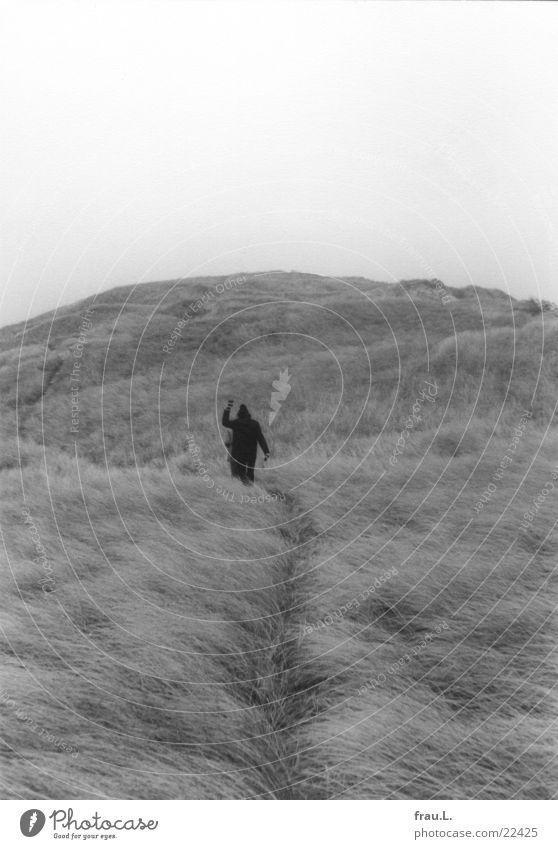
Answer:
x=246 y=436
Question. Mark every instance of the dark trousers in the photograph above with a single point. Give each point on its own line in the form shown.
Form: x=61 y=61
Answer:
x=242 y=470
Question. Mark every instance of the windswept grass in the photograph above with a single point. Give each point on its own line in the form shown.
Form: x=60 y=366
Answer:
x=375 y=619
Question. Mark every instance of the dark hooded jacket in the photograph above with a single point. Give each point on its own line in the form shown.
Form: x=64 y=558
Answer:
x=246 y=436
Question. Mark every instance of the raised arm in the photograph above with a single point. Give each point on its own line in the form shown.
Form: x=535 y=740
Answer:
x=227 y=415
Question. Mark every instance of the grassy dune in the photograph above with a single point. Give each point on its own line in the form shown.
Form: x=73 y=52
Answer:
x=375 y=619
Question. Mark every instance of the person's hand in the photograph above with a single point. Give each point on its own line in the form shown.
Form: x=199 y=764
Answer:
x=230 y=402
x=266 y=457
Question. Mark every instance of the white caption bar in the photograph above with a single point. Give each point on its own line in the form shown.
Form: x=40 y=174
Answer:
x=291 y=824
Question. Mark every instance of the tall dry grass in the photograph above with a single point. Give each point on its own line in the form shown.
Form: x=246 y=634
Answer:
x=364 y=630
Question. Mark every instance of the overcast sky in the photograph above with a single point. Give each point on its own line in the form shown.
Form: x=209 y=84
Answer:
x=149 y=140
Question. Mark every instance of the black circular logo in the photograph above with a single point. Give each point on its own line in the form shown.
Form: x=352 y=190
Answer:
x=32 y=822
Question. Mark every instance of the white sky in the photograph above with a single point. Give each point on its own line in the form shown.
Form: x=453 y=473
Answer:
x=148 y=140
